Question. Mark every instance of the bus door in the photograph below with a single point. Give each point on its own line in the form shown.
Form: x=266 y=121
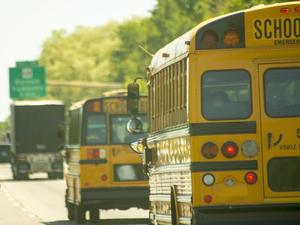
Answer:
x=280 y=124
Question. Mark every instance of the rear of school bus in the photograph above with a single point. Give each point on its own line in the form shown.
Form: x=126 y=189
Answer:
x=246 y=149
x=104 y=173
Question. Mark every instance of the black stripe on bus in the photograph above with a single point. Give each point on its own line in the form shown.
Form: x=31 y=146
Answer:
x=93 y=161
x=224 y=166
x=223 y=128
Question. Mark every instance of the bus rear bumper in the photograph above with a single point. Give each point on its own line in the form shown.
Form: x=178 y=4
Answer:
x=121 y=198
x=287 y=214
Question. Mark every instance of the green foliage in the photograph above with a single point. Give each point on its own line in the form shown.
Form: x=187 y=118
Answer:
x=128 y=58
x=83 y=55
x=234 y=5
x=114 y=52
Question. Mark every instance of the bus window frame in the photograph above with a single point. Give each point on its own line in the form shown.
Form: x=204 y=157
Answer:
x=264 y=88
x=250 y=88
x=84 y=128
x=110 y=126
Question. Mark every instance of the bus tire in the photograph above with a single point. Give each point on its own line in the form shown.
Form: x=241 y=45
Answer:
x=70 y=211
x=22 y=176
x=94 y=214
x=174 y=207
x=60 y=175
x=79 y=214
x=51 y=176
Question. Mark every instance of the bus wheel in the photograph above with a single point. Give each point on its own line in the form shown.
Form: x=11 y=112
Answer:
x=70 y=211
x=94 y=215
x=60 y=175
x=51 y=176
x=79 y=214
x=22 y=176
x=174 y=207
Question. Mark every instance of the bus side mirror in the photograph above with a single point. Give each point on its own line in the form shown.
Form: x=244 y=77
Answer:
x=134 y=126
x=133 y=94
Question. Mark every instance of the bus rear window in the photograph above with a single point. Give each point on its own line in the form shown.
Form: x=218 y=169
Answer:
x=95 y=129
x=226 y=95
x=282 y=92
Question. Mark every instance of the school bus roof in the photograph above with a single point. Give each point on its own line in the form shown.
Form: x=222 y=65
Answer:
x=82 y=102
x=185 y=44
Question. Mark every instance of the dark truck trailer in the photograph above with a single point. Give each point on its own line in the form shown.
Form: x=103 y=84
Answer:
x=35 y=139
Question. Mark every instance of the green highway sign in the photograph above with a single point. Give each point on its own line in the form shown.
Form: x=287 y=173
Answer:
x=27 y=82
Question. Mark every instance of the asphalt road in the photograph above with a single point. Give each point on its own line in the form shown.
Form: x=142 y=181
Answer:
x=41 y=201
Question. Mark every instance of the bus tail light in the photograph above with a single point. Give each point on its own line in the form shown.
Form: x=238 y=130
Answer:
x=208 y=179
x=284 y=10
x=209 y=150
x=230 y=149
x=297 y=9
x=208 y=199
x=249 y=149
x=251 y=178
x=96 y=154
x=104 y=177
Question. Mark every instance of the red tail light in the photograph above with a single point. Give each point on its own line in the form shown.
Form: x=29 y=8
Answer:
x=104 y=177
x=297 y=9
x=284 y=10
x=96 y=153
x=230 y=149
x=251 y=178
x=208 y=199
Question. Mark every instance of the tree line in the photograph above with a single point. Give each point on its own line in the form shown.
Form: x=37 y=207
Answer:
x=117 y=52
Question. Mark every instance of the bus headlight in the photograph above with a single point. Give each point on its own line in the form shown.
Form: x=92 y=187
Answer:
x=249 y=149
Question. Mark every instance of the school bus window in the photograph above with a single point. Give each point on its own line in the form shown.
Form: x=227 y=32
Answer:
x=283 y=174
x=282 y=92
x=119 y=132
x=226 y=95
x=95 y=129
x=128 y=172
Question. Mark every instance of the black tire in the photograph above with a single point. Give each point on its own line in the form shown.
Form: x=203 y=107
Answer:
x=94 y=215
x=51 y=176
x=60 y=175
x=174 y=207
x=70 y=211
x=79 y=214
x=22 y=176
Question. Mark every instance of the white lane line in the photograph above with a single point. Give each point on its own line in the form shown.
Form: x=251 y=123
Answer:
x=11 y=199
x=16 y=204
x=24 y=210
x=31 y=215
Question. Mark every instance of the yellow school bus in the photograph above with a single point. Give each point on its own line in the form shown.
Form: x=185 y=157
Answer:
x=224 y=113
x=103 y=172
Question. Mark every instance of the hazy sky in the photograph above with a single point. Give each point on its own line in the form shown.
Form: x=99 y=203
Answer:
x=25 y=24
